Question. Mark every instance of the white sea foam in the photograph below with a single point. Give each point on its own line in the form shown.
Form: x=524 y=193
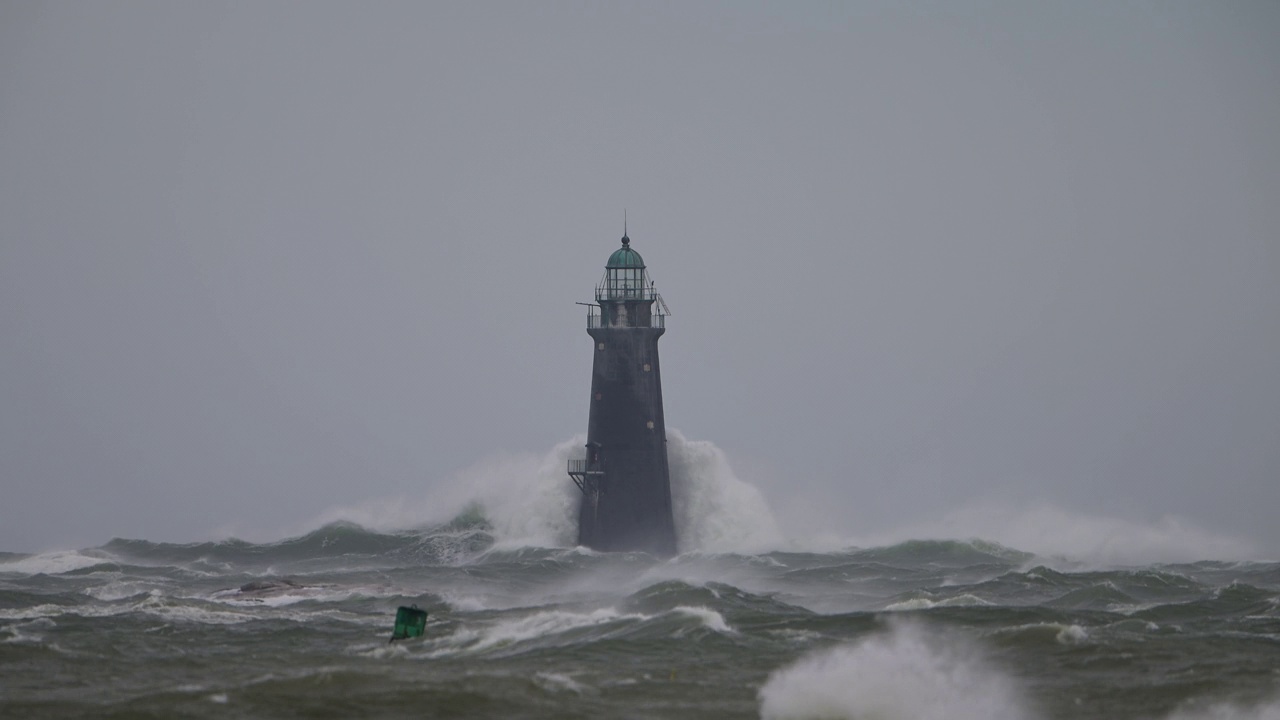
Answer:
x=52 y=611
x=557 y=682
x=153 y=604
x=291 y=595
x=381 y=650
x=475 y=638
x=174 y=612
x=51 y=563
x=905 y=673
x=1072 y=635
x=280 y=600
x=1063 y=634
x=911 y=604
x=28 y=632
x=965 y=600
x=711 y=619
x=464 y=603
x=797 y=637
x=121 y=589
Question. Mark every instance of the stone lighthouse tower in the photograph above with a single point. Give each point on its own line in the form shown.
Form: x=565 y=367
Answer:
x=625 y=483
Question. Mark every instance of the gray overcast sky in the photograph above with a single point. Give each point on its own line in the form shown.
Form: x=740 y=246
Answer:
x=258 y=260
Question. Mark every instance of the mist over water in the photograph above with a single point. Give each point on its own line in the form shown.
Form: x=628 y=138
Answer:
x=530 y=502
x=1094 y=539
x=1009 y=616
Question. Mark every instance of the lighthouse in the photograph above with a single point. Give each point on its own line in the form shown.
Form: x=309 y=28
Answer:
x=624 y=479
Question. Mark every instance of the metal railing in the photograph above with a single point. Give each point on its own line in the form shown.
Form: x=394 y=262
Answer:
x=657 y=320
x=606 y=292
x=588 y=476
x=585 y=467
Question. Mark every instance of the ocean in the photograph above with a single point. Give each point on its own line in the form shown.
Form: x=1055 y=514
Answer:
x=523 y=625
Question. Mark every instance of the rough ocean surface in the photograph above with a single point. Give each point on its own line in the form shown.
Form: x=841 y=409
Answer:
x=531 y=628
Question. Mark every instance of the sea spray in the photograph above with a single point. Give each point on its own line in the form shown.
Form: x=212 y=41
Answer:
x=529 y=500
x=535 y=503
x=532 y=504
x=526 y=498
x=715 y=511
x=905 y=674
x=1062 y=537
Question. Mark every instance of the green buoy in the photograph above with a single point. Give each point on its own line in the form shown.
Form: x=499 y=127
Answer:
x=410 y=622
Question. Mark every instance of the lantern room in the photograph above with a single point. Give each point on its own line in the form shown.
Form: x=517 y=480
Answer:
x=624 y=275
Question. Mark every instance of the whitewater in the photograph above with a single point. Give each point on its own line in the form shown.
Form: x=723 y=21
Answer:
x=992 y=612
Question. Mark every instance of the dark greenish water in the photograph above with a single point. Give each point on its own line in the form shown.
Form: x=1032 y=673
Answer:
x=922 y=629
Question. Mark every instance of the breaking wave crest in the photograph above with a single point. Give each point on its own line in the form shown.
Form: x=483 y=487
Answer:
x=715 y=510
x=906 y=673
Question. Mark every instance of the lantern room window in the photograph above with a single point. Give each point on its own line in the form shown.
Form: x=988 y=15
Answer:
x=625 y=282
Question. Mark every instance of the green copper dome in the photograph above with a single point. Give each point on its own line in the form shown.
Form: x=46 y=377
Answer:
x=624 y=257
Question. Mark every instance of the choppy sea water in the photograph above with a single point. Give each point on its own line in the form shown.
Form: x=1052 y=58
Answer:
x=523 y=625
x=921 y=629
